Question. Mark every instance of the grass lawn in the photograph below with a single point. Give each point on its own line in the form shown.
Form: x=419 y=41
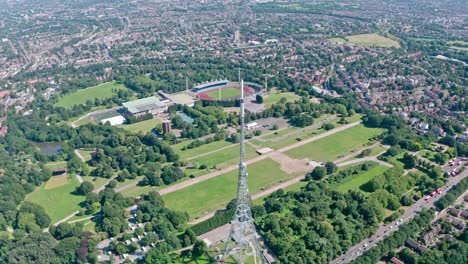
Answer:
x=225 y=93
x=225 y=157
x=356 y=181
x=58 y=202
x=55 y=165
x=372 y=40
x=101 y=91
x=274 y=97
x=89 y=227
x=85 y=121
x=395 y=160
x=86 y=154
x=143 y=126
x=215 y=193
x=304 y=135
x=331 y=147
x=188 y=153
x=56 y=181
x=427 y=154
x=290 y=129
x=96 y=181
x=338 y=40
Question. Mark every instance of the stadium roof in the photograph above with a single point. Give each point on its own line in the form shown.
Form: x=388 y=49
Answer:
x=144 y=104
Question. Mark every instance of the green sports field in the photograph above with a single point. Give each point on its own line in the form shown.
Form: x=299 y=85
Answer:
x=215 y=193
x=331 y=147
x=373 y=39
x=62 y=199
x=102 y=91
x=225 y=93
x=275 y=97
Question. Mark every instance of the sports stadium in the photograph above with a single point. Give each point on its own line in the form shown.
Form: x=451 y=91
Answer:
x=223 y=90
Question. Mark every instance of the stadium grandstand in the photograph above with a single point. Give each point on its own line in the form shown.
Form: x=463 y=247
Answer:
x=148 y=105
x=211 y=85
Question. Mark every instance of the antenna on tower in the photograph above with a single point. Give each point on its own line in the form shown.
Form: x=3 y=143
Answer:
x=186 y=84
x=242 y=243
x=238 y=73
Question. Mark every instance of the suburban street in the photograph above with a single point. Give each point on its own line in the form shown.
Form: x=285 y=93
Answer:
x=386 y=230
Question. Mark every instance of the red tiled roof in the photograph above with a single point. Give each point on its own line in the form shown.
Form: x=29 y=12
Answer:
x=4 y=93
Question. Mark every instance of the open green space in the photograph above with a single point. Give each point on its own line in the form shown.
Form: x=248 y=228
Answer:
x=308 y=133
x=290 y=129
x=368 y=40
x=86 y=154
x=188 y=153
x=102 y=91
x=215 y=193
x=55 y=165
x=335 y=145
x=337 y=40
x=143 y=126
x=356 y=181
x=58 y=202
x=396 y=160
x=85 y=121
x=274 y=97
x=225 y=157
x=96 y=181
x=458 y=44
x=225 y=93
x=427 y=154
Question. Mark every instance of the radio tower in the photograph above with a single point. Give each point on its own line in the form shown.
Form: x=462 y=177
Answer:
x=242 y=243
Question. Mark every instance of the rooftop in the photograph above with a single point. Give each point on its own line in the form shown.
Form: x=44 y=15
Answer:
x=143 y=104
x=105 y=115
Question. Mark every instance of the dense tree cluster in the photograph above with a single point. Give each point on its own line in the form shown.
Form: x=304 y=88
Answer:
x=316 y=224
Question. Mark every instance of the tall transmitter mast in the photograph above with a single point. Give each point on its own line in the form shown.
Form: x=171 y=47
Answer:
x=242 y=244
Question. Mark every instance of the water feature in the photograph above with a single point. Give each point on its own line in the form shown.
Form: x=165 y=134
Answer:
x=49 y=148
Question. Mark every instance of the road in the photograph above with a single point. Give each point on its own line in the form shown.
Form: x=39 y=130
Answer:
x=384 y=231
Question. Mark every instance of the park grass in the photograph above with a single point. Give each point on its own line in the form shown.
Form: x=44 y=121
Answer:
x=290 y=129
x=101 y=91
x=56 y=181
x=143 y=126
x=90 y=227
x=86 y=154
x=205 y=148
x=335 y=145
x=225 y=93
x=274 y=97
x=369 y=40
x=85 y=121
x=395 y=160
x=356 y=181
x=57 y=202
x=304 y=135
x=55 y=165
x=461 y=45
x=427 y=154
x=337 y=40
x=215 y=193
x=225 y=157
x=96 y=181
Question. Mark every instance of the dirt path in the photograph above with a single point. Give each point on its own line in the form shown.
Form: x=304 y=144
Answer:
x=373 y=158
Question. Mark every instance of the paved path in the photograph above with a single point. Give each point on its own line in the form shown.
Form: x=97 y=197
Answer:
x=373 y=158
x=384 y=231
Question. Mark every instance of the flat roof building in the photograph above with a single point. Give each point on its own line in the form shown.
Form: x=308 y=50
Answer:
x=148 y=105
x=113 y=117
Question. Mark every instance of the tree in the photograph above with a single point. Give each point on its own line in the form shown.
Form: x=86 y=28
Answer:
x=199 y=248
x=275 y=127
x=259 y=99
x=318 y=173
x=331 y=167
x=85 y=188
x=112 y=184
x=328 y=126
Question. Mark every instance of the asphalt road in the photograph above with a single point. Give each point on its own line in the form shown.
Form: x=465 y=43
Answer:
x=386 y=230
